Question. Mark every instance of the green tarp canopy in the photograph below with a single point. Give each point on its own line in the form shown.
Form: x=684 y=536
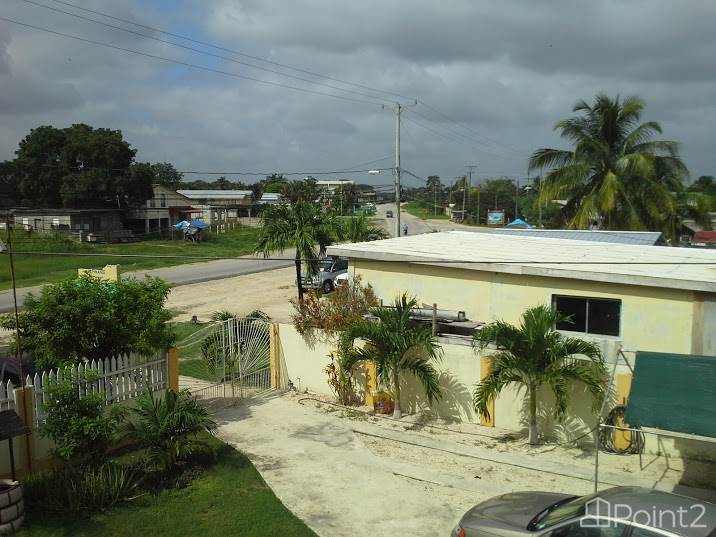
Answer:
x=674 y=392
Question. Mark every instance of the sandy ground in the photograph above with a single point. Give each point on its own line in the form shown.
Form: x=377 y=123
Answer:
x=346 y=473
x=268 y=291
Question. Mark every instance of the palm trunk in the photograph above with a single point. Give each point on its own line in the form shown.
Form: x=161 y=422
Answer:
x=299 y=283
x=533 y=414
x=397 y=414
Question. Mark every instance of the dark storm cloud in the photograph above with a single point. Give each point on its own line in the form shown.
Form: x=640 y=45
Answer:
x=508 y=69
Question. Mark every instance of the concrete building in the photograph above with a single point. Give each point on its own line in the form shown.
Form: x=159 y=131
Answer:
x=164 y=209
x=642 y=297
x=331 y=185
x=104 y=224
x=219 y=206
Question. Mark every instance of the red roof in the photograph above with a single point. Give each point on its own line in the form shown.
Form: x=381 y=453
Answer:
x=705 y=237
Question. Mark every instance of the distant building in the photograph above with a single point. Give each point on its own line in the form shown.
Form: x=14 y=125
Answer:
x=649 y=238
x=331 y=185
x=704 y=238
x=221 y=205
x=103 y=224
x=165 y=208
x=271 y=198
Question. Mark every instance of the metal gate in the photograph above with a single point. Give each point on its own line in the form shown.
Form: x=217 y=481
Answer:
x=237 y=353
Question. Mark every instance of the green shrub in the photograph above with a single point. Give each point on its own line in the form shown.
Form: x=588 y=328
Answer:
x=81 y=428
x=71 y=489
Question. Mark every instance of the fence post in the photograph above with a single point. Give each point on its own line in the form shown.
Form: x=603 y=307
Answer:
x=25 y=409
x=485 y=368
x=435 y=319
x=275 y=356
x=371 y=384
x=173 y=369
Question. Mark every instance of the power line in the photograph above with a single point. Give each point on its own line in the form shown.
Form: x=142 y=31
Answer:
x=418 y=261
x=187 y=64
x=199 y=51
x=232 y=51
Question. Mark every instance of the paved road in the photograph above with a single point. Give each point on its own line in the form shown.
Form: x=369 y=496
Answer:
x=416 y=226
x=179 y=274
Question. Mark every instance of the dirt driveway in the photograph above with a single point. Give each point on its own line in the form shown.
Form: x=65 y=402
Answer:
x=347 y=474
x=268 y=291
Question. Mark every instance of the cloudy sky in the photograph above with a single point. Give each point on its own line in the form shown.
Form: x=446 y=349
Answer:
x=491 y=78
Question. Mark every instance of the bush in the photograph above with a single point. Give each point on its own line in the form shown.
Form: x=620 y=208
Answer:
x=167 y=427
x=87 y=318
x=72 y=489
x=81 y=428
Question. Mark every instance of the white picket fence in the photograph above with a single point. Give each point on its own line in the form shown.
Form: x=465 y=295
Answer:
x=119 y=379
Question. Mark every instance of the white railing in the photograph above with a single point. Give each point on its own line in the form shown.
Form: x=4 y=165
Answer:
x=118 y=379
x=7 y=396
x=250 y=385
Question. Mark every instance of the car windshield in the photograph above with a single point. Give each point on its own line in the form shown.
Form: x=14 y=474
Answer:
x=325 y=264
x=559 y=512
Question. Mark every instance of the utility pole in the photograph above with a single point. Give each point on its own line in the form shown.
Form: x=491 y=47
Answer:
x=398 y=109
x=539 y=201
x=471 y=167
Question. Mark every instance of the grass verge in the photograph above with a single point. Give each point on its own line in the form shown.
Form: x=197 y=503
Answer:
x=424 y=210
x=229 y=498
x=37 y=269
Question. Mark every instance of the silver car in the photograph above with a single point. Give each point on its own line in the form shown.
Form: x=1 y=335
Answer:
x=616 y=512
x=328 y=269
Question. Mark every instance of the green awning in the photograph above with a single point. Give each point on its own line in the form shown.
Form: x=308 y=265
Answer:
x=674 y=392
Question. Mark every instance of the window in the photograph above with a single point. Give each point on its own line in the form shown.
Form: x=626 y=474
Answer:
x=152 y=203
x=589 y=528
x=589 y=315
x=163 y=200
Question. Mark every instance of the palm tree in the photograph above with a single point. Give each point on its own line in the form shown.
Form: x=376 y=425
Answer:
x=616 y=173
x=534 y=354
x=360 y=229
x=395 y=344
x=167 y=426
x=302 y=225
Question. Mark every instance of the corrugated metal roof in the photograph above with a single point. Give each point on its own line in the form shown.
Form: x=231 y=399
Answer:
x=216 y=194
x=270 y=196
x=616 y=237
x=662 y=266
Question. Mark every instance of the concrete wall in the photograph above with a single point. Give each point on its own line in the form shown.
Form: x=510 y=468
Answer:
x=459 y=372
x=652 y=319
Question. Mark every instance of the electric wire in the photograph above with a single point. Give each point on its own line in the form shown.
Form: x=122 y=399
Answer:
x=187 y=64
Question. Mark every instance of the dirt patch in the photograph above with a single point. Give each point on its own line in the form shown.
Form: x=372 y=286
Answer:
x=268 y=291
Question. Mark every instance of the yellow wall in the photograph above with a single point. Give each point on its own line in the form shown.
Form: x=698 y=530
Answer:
x=653 y=319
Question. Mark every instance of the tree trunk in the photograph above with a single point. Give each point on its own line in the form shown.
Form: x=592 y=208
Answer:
x=397 y=414
x=533 y=414
x=299 y=283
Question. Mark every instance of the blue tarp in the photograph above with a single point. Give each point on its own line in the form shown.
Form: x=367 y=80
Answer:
x=196 y=223
x=518 y=223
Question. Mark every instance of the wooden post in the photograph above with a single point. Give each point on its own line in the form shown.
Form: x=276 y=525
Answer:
x=25 y=409
x=371 y=384
x=485 y=368
x=435 y=319
x=173 y=369
x=622 y=439
x=275 y=356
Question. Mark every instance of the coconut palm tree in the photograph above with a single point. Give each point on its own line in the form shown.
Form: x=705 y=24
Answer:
x=302 y=225
x=617 y=173
x=395 y=344
x=534 y=354
x=359 y=229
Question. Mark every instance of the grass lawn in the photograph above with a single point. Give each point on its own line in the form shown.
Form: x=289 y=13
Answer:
x=37 y=269
x=424 y=210
x=230 y=498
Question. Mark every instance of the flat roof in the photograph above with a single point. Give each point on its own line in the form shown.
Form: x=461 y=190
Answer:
x=620 y=237
x=216 y=194
x=654 y=266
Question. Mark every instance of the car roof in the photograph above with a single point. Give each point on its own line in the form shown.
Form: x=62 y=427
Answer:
x=662 y=503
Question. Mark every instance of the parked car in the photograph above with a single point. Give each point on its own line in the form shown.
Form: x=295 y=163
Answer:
x=389 y=214
x=342 y=279
x=616 y=512
x=328 y=269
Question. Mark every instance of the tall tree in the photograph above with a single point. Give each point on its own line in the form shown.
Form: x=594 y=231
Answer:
x=616 y=174
x=304 y=190
x=395 y=344
x=534 y=354
x=8 y=184
x=303 y=226
x=360 y=229
x=166 y=174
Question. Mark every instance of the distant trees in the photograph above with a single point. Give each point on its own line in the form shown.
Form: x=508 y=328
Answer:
x=166 y=174
x=616 y=174
x=76 y=167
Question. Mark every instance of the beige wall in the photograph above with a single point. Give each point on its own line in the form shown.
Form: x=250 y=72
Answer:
x=653 y=319
x=459 y=371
